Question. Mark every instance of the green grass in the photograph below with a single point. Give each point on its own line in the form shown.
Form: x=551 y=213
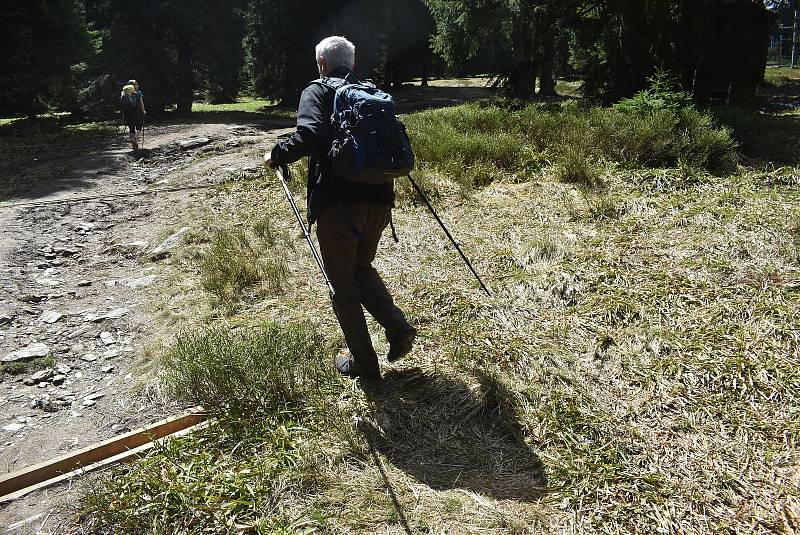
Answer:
x=30 y=366
x=236 y=261
x=782 y=76
x=252 y=371
x=243 y=104
x=476 y=144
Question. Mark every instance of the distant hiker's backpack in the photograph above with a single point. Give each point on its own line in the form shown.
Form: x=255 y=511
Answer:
x=128 y=100
x=370 y=143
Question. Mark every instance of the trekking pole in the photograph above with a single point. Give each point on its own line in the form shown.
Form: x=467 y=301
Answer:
x=283 y=174
x=444 y=228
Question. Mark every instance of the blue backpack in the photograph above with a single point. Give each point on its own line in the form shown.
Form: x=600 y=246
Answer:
x=370 y=143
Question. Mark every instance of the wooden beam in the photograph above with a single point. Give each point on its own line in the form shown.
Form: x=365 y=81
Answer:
x=119 y=448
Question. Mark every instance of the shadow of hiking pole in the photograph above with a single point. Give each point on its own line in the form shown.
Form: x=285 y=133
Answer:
x=389 y=487
x=449 y=434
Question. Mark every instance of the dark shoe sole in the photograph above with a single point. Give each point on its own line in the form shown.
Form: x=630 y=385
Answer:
x=403 y=346
x=344 y=365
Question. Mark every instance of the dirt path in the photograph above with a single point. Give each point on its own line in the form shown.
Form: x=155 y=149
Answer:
x=76 y=278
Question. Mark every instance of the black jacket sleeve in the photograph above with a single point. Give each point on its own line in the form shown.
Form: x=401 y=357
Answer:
x=312 y=135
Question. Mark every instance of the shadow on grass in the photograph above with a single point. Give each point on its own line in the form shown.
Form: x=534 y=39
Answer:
x=452 y=435
x=763 y=137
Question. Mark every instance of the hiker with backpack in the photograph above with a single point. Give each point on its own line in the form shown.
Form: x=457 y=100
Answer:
x=132 y=104
x=355 y=147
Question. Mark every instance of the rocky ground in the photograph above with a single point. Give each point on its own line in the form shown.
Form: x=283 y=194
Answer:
x=79 y=264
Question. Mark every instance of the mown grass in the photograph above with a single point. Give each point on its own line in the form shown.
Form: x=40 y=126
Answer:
x=634 y=371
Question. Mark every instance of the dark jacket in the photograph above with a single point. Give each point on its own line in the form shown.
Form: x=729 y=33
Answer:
x=313 y=138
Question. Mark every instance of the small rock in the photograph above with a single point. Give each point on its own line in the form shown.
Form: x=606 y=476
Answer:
x=50 y=316
x=84 y=283
x=170 y=243
x=110 y=283
x=111 y=354
x=6 y=319
x=64 y=251
x=186 y=144
x=95 y=396
x=58 y=380
x=29 y=382
x=88 y=402
x=107 y=338
x=141 y=282
x=83 y=329
x=63 y=369
x=89 y=357
x=42 y=375
x=107 y=369
x=116 y=313
x=43 y=384
x=31 y=298
x=13 y=428
x=79 y=375
x=31 y=351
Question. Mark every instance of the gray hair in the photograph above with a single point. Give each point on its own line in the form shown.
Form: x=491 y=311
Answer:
x=337 y=51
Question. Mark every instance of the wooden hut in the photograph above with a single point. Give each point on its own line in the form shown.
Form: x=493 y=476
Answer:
x=733 y=51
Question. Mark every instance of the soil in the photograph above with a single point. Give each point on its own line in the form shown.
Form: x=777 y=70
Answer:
x=77 y=274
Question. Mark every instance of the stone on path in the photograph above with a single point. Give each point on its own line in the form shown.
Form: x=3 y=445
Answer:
x=186 y=144
x=42 y=375
x=13 y=428
x=107 y=338
x=89 y=357
x=32 y=351
x=168 y=244
x=140 y=282
x=51 y=316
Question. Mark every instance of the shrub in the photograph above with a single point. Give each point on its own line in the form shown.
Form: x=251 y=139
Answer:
x=250 y=371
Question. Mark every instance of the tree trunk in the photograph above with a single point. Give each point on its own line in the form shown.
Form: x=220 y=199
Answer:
x=631 y=69
x=184 y=84
x=522 y=81
x=547 y=82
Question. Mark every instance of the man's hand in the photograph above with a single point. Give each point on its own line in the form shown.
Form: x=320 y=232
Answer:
x=268 y=160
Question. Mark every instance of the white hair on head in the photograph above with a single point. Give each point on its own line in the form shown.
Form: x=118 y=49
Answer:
x=337 y=51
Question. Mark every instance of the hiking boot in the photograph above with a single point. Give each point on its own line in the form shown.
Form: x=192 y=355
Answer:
x=400 y=345
x=346 y=365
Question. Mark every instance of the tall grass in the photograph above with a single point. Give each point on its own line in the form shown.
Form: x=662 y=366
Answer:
x=249 y=372
x=235 y=262
x=477 y=143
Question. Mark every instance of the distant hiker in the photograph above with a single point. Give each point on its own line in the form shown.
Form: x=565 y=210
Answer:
x=132 y=103
x=350 y=217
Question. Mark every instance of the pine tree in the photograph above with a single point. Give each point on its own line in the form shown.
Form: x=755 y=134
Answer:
x=40 y=42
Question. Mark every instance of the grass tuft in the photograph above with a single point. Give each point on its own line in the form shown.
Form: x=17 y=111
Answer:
x=235 y=262
x=250 y=371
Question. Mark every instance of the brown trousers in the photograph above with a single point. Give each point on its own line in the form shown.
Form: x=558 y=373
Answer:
x=348 y=240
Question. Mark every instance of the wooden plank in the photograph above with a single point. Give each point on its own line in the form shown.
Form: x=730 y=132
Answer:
x=129 y=455
x=32 y=475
